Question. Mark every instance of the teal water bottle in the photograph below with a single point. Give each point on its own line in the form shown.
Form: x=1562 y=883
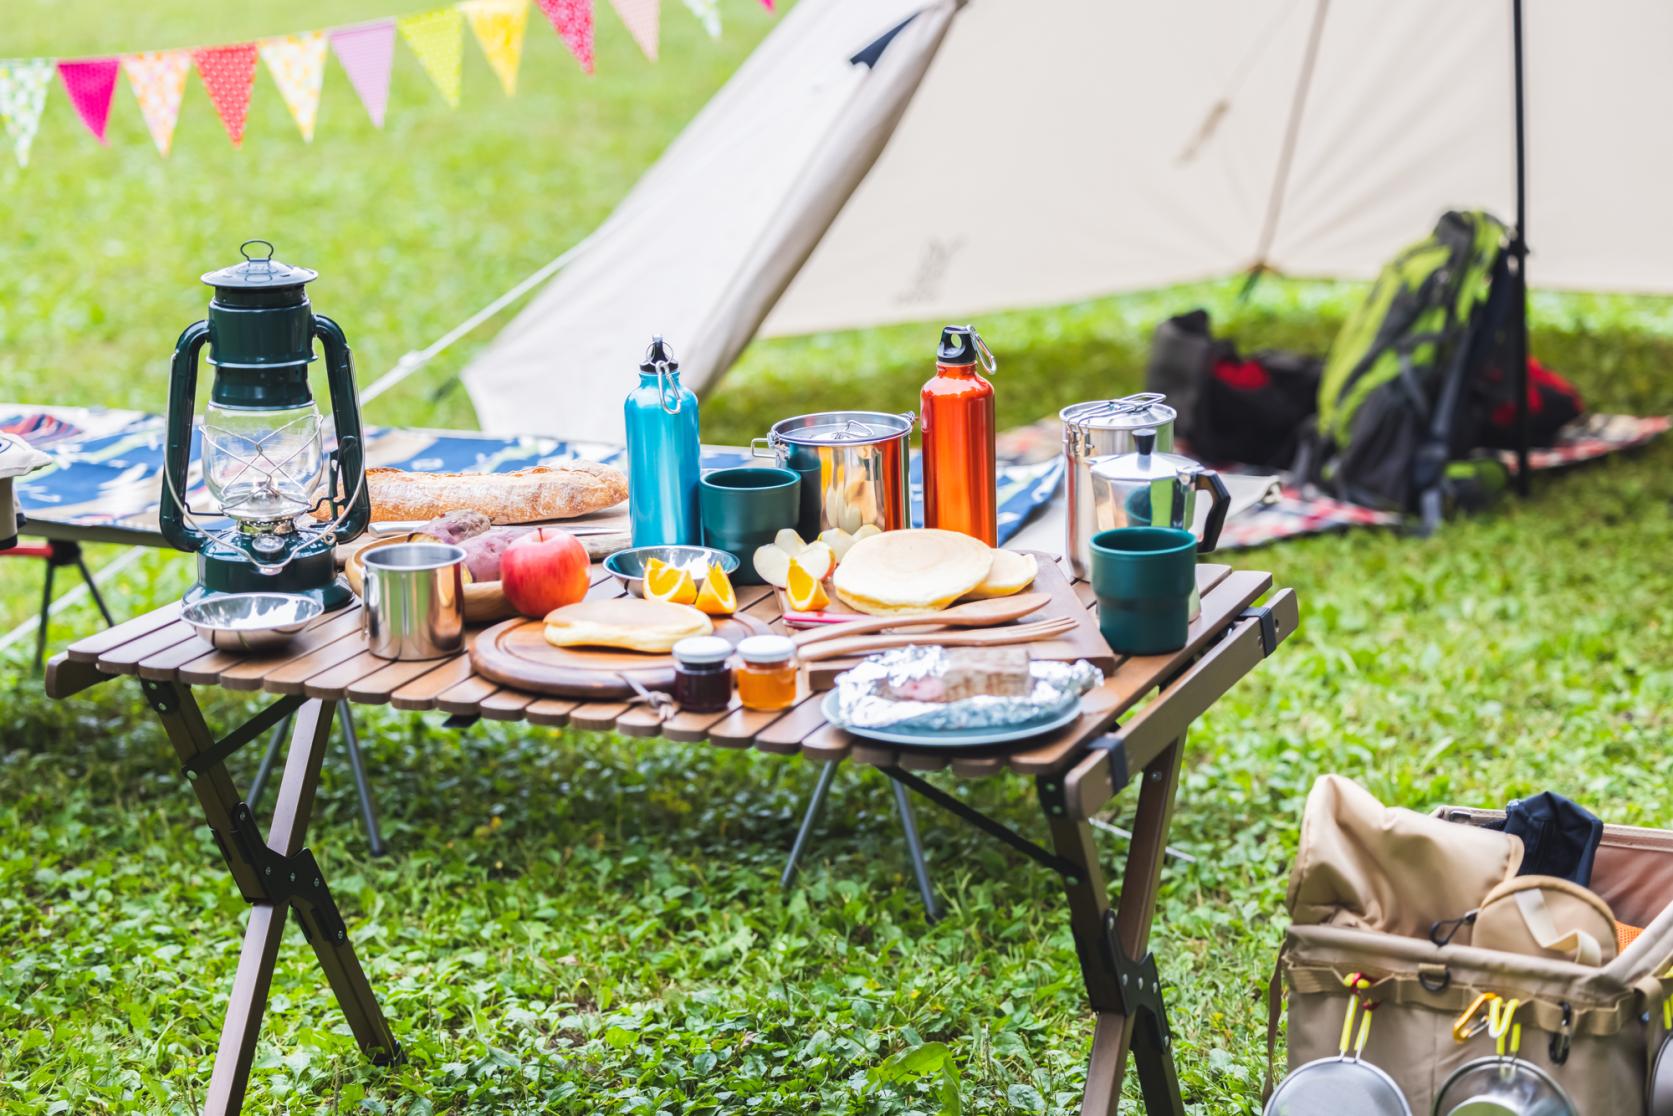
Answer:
x=662 y=454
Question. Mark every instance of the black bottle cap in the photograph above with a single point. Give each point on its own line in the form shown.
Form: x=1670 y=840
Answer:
x=957 y=345
x=659 y=356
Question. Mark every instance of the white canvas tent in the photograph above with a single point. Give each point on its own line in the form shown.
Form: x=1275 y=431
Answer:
x=1008 y=153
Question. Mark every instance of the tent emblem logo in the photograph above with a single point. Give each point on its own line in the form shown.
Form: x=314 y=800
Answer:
x=933 y=265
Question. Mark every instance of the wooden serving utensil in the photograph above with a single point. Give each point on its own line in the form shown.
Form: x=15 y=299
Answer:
x=993 y=637
x=970 y=614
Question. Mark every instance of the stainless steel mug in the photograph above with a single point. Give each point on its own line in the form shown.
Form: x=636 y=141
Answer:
x=1102 y=428
x=854 y=466
x=414 y=600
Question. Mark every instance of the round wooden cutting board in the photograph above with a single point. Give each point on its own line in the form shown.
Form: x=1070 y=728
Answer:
x=515 y=653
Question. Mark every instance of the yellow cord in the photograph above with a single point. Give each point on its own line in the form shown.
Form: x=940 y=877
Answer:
x=1502 y=1026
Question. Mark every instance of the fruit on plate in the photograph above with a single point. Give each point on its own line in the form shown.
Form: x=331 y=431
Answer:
x=838 y=540
x=1012 y=572
x=544 y=569
x=670 y=583
x=912 y=571
x=806 y=589
x=772 y=565
x=628 y=623
x=717 y=598
x=788 y=541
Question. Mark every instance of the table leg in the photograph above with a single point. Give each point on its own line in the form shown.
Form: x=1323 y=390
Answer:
x=274 y=874
x=810 y=818
x=1121 y=977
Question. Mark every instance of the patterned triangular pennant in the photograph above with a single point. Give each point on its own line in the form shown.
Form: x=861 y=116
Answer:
x=90 y=84
x=23 y=85
x=297 y=63
x=768 y=4
x=438 y=41
x=573 y=21
x=499 y=26
x=229 y=74
x=708 y=14
x=366 y=52
x=158 y=79
x=643 y=19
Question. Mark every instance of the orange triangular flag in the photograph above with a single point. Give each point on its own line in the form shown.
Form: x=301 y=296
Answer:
x=229 y=74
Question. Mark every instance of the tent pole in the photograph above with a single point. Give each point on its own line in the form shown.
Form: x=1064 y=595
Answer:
x=1286 y=153
x=1519 y=247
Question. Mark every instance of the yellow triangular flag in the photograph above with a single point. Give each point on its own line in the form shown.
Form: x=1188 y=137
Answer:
x=437 y=38
x=297 y=63
x=499 y=26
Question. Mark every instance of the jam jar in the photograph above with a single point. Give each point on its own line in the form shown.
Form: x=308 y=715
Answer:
x=702 y=676
x=767 y=673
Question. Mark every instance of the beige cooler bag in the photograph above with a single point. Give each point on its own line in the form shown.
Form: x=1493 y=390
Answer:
x=1596 y=1030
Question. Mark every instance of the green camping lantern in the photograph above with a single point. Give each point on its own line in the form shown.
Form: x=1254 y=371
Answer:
x=282 y=502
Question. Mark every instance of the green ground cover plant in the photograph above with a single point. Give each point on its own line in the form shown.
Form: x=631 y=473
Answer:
x=577 y=923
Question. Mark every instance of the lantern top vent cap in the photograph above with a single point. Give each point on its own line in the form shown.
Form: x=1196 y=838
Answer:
x=259 y=271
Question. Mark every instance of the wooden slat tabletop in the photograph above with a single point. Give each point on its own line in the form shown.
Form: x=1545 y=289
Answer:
x=331 y=660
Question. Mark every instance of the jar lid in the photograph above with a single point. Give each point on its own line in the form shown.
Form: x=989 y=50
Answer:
x=702 y=650
x=766 y=649
x=1130 y=411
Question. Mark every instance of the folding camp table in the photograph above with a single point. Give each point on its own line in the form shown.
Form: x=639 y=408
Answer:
x=1077 y=771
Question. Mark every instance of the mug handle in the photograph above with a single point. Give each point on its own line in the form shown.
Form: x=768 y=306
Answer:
x=762 y=447
x=1209 y=481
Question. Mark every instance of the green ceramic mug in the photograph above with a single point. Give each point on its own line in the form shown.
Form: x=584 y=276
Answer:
x=742 y=509
x=1143 y=577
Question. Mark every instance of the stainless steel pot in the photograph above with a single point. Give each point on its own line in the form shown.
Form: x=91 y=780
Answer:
x=1103 y=428
x=854 y=465
x=1502 y=1086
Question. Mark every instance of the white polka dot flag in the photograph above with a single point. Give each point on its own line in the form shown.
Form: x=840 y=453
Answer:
x=158 y=79
x=499 y=26
x=708 y=14
x=644 y=22
x=297 y=63
x=23 y=84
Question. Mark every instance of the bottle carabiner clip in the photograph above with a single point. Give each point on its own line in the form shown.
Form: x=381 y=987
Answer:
x=984 y=355
x=665 y=387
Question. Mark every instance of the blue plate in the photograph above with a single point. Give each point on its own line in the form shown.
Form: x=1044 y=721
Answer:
x=959 y=738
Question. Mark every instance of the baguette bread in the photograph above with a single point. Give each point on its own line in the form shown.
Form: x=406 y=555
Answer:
x=525 y=496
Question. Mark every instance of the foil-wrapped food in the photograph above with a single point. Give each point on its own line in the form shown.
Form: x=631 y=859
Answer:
x=940 y=689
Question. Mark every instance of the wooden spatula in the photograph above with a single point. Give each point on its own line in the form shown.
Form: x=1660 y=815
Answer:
x=970 y=614
x=994 y=637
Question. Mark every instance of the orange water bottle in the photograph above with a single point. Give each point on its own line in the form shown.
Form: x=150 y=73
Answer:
x=957 y=409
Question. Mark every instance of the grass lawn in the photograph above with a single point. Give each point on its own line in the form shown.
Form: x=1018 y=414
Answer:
x=576 y=923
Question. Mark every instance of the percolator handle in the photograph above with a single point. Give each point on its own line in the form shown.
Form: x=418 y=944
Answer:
x=345 y=416
x=182 y=397
x=1209 y=481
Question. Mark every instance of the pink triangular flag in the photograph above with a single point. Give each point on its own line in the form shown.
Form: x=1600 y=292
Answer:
x=573 y=21
x=229 y=74
x=366 y=52
x=768 y=4
x=643 y=19
x=90 y=85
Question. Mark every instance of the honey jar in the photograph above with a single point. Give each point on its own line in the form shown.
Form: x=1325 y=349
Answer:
x=767 y=672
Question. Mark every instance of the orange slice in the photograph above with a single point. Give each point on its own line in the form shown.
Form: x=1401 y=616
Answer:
x=716 y=597
x=807 y=593
x=670 y=583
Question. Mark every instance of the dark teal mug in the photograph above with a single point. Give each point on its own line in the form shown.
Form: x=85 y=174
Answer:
x=1143 y=578
x=742 y=509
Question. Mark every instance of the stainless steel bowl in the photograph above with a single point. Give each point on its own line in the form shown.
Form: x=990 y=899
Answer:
x=251 y=621
x=628 y=566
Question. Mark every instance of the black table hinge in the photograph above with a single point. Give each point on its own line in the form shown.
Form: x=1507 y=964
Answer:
x=460 y=720
x=1116 y=745
x=222 y=749
x=296 y=880
x=1269 y=626
x=1138 y=986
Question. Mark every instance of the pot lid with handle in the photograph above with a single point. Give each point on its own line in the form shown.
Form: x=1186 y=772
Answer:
x=1127 y=413
x=1145 y=465
x=836 y=428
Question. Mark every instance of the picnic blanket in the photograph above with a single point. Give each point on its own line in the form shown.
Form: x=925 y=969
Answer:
x=1295 y=511
x=107 y=466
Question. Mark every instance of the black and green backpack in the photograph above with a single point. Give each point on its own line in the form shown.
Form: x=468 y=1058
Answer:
x=1398 y=415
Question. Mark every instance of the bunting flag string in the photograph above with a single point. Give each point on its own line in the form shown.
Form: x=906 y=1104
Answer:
x=296 y=63
x=366 y=54
x=437 y=39
x=643 y=19
x=499 y=26
x=229 y=77
x=90 y=86
x=23 y=84
x=158 y=79
x=573 y=21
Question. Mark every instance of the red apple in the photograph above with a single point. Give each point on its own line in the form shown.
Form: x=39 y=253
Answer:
x=545 y=569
